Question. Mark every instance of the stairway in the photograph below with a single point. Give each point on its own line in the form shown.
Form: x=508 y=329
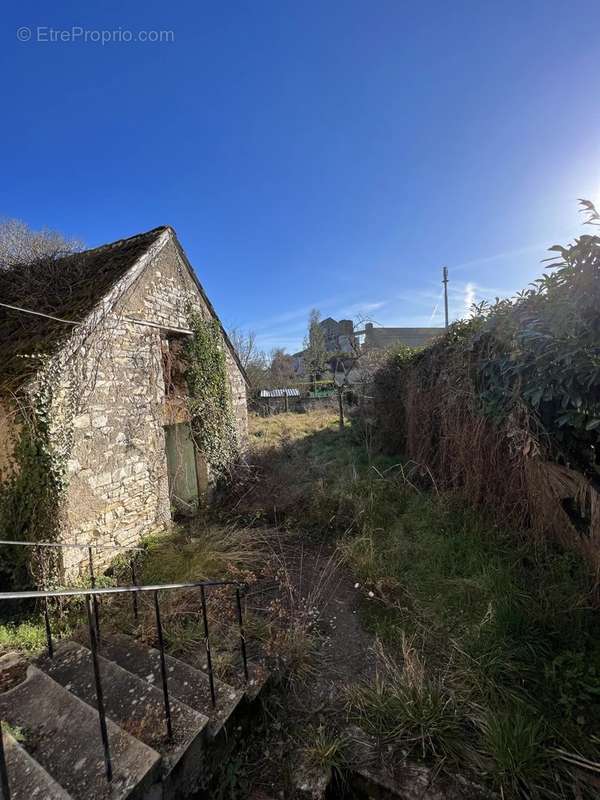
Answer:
x=59 y=755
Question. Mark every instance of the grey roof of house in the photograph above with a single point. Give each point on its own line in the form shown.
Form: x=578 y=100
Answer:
x=280 y=392
x=382 y=338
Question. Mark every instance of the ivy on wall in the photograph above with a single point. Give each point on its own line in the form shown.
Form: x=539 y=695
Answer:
x=213 y=424
x=30 y=499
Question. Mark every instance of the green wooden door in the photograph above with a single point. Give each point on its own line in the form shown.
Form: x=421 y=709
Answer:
x=181 y=468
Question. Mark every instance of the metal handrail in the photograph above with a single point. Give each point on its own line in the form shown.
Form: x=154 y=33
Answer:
x=91 y=596
x=90 y=547
x=36 y=594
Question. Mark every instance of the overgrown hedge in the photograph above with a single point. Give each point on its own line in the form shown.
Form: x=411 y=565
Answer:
x=505 y=406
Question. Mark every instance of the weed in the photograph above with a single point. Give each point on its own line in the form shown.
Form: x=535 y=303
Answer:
x=404 y=707
x=201 y=552
x=26 y=636
x=507 y=624
x=18 y=733
x=324 y=749
x=514 y=742
x=303 y=472
x=576 y=682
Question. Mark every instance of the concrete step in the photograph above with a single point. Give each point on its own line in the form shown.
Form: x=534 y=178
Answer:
x=28 y=780
x=189 y=685
x=62 y=734
x=136 y=705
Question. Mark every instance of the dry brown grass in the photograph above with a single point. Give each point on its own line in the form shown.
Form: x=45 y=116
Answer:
x=288 y=460
x=281 y=429
x=431 y=412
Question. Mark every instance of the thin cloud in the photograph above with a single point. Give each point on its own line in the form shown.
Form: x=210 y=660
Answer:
x=469 y=296
x=434 y=312
x=287 y=316
x=357 y=309
x=522 y=251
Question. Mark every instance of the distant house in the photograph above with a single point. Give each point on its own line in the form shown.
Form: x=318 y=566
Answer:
x=342 y=338
x=339 y=338
x=109 y=326
x=383 y=338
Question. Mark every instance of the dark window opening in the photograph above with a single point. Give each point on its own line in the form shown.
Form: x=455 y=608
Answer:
x=173 y=362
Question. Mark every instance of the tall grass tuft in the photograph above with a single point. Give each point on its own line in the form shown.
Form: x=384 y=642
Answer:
x=201 y=552
x=405 y=707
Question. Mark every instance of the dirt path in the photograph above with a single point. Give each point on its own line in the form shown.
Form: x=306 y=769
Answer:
x=320 y=577
x=324 y=589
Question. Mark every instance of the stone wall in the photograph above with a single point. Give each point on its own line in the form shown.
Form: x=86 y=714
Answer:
x=118 y=487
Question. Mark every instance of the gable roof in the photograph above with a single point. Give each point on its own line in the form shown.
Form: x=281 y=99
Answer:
x=67 y=290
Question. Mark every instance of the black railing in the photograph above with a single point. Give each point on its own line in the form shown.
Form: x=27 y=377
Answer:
x=39 y=548
x=94 y=636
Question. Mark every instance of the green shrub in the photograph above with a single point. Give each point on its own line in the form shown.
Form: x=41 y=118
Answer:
x=500 y=400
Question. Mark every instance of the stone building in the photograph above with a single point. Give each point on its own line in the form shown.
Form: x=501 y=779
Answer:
x=339 y=338
x=382 y=338
x=103 y=358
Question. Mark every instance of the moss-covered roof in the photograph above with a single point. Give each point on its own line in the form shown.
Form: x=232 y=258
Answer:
x=69 y=287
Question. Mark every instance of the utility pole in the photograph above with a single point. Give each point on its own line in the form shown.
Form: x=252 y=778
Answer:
x=445 y=282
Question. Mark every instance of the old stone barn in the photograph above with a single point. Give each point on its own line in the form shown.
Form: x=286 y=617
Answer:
x=121 y=397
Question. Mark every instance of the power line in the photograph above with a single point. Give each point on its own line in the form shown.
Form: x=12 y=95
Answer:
x=133 y=320
x=39 y=314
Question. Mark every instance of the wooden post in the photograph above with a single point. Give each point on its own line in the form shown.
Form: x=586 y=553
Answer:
x=286 y=405
x=341 y=404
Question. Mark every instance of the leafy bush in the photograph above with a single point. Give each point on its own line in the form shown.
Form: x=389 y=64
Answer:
x=505 y=407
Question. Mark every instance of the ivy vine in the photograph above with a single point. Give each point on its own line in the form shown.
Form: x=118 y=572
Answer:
x=212 y=418
x=30 y=499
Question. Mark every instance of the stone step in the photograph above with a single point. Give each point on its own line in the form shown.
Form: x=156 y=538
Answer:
x=28 y=780
x=62 y=733
x=188 y=684
x=136 y=705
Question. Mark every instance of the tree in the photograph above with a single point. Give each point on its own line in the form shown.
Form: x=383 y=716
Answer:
x=281 y=368
x=251 y=358
x=315 y=352
x=20 y=244
x=245 y=346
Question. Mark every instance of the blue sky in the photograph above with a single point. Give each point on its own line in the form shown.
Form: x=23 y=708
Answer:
x=329 y=154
